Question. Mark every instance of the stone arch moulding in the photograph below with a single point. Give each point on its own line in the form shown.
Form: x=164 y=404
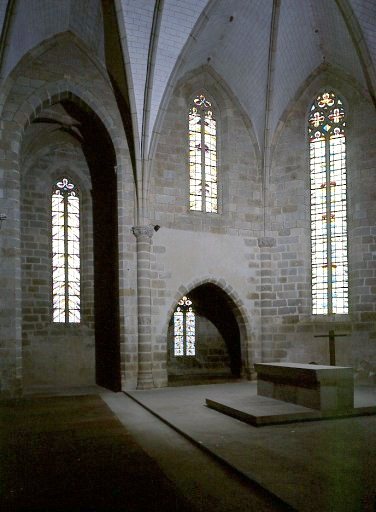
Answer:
x=44 y=47
x=207 y=79
x=237 y=308
x=55 y=171
x=24 y=94
x=16 y=124
x=47 y=94
x=65 y=90
x=335 y=78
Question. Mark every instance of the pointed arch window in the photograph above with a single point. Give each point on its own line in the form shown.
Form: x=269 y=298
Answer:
x=203 y=179
x=65 y=252
x=327 y=145
x=184 y=328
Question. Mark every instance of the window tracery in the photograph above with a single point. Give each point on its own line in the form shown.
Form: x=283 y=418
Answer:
x=327 y=145
x=65 y=252
x=184 y=328
x=203 y=180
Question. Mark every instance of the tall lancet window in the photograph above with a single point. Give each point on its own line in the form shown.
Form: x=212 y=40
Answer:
x=203 y=183
x=327 y=144
x=65 y=252
x=184 y=328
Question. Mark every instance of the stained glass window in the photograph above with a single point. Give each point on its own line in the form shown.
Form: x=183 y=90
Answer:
x=327 y=145
x=65 y=252
x=184 y=328
x=203 y=184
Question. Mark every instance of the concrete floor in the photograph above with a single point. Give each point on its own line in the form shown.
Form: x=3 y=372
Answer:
x=210 y=486
x=219 y=464
x=312 y=466
x=72 y=454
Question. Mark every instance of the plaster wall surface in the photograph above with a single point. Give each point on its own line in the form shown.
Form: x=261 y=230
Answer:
x=182 y=260
x=192 y=248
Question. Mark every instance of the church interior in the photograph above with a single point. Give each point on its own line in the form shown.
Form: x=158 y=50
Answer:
x=187 y=218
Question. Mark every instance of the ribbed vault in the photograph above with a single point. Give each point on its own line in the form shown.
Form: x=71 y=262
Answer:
x=263 y=50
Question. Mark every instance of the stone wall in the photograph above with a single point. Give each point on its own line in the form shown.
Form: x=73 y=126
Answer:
x=59 y=69
x=287 y=323
x=194 y=247
x=270 y=271
x=54 y=354
x=263 y=268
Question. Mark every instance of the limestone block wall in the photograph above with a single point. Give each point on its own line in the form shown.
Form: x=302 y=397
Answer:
x=10 y=352
x=59 y=69
x=288 y=327
x=192 y=248
x=54 y=354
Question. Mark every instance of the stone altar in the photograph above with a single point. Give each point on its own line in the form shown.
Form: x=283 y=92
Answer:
x=310 y=385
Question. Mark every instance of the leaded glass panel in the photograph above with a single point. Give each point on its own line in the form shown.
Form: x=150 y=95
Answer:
x=203 y=186
x=65 y=252
x=328 y=205
x=190 y=333
x=184 y=328
x=178 y=333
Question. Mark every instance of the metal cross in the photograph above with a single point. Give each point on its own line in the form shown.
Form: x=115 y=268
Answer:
x=332 y=345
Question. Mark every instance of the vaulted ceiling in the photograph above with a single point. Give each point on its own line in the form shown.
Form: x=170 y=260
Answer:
x=264 y=50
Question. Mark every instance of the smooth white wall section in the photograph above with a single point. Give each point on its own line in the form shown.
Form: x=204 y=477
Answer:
x=178 y=20
x=297 y=55
x=365 y=11
x=238 y=51
x=336 y=41
x=33 y=21
x=137 y=16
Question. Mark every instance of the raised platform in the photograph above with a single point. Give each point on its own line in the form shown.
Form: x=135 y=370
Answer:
x=289 y=392
x=261 y=411
x=304 y=464
x=309 y=385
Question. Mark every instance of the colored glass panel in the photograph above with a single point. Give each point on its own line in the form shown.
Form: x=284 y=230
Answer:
x=65 y=253
x=184 y=329
x=203 y=186
x=190 y=333
x=178 y=332
x=195 y=178
x=326 y=128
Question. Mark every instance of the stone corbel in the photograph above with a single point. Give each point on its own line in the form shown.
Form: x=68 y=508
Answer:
x=2 y=218
x=266 y=241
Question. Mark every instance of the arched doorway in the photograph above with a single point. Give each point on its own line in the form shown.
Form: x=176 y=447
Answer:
x=68 y=140
x=216 y=355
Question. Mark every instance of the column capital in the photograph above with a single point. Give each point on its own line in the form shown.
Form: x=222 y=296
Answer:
x=143 y=231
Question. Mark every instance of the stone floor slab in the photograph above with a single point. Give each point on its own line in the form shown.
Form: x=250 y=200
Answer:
x=260 y=411
x=316 y=466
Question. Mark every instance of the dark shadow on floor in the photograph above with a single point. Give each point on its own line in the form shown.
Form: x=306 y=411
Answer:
x=72 y=454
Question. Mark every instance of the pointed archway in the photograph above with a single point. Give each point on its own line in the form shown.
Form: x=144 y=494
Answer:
x=217 y=353
x=67 y=139
x=100 y=156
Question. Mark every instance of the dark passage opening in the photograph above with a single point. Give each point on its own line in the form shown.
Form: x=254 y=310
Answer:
x=217 y=340
x=100 y=155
